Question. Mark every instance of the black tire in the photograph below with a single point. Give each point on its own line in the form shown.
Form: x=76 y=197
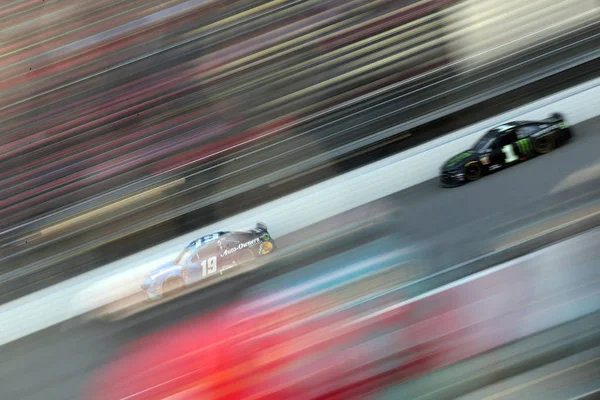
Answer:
x=473 y=171
x=544 y=145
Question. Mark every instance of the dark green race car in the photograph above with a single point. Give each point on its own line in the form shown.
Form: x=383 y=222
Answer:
x=503 y=146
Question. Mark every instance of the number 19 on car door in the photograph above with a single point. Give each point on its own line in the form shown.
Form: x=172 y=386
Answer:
x=209 y=266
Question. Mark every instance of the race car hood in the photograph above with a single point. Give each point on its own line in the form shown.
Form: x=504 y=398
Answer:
x=459 y=160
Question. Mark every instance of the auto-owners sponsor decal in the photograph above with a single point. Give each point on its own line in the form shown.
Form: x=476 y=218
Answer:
x=241 y=246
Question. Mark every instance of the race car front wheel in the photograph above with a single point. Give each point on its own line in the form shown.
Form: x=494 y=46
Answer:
x=172 y=286
x=472 y=171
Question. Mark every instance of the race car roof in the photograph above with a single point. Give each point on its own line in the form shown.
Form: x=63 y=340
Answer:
x=503 y=127
x=206 y=239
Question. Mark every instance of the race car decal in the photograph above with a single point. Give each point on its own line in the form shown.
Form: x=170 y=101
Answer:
x=265 y=248
x=241 y=246
x=458 y=158
x=485 y=160
x=209 y=266
x=525 y=146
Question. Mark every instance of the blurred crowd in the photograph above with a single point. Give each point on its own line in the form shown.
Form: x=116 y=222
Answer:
x=99 y=94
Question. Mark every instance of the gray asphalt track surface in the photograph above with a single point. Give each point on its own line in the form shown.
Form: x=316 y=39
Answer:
x=570 y=378
x=53 y=364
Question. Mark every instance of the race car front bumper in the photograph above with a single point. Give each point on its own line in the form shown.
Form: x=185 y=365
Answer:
x=449 y=179
x=152 y=291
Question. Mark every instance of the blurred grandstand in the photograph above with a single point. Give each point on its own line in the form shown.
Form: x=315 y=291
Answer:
x=125 y=123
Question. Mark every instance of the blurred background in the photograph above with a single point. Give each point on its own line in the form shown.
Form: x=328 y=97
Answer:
x=127 y=125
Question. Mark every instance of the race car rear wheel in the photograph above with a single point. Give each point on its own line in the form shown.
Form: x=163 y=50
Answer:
x=544 y=144
x=246 y=256
x=473 y=171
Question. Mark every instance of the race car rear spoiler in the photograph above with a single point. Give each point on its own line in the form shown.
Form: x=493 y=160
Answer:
x=554 y=117
x=261 y=225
